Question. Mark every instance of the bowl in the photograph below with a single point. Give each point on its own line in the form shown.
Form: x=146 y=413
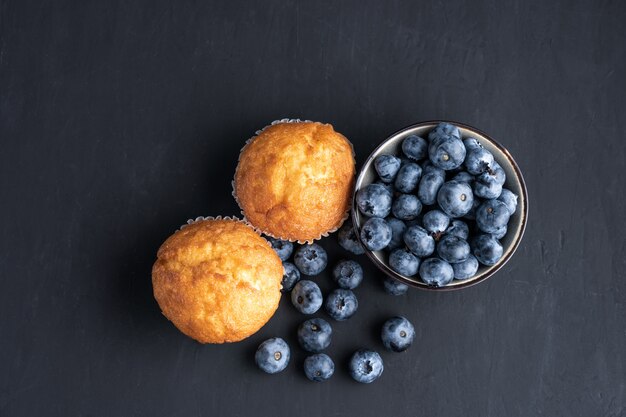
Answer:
x=514 y=182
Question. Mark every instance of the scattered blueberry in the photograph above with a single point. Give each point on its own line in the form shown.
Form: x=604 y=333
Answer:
x=415 y=147
x=310 y=259
x=436 y=272
x=491 y=215
x=290 y=276
x=406 y=207
x=436 y=222
x=315 y=335
x=453 y=249
x=348 y=239
x=283 y=248
x=509 y=198
x=306 y=297
x=478 y=160
x=348 y=274
x=366 y=366
x=465 y=269
x=397 y=334
x=374 y=200
x=458 y=228
x=419 y=241
x=408 y=177
x=455 y=198
x=341 y=304
x=398 y=227
x=487 y=249
x=375 y=234
x=272 y=356
x=447 y=153
x=403 y=262
x=394 y=287
x=319 y=367
x=387 y=167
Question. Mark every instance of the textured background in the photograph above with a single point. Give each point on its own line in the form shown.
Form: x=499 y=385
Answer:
x=119 y=120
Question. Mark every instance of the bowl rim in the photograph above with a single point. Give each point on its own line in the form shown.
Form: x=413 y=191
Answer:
x=463 y=284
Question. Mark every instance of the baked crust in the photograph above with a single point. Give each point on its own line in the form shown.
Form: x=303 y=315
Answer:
x=217 y=280
x=294 y=181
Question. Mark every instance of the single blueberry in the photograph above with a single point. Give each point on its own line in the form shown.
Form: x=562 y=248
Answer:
x=366 y=366
x=374 y=200
x=306 y=297
x=500 y=233
x=436 y=222
x=348 y=239
x=403 y=262
x=494 y=175
x=455 y=198
x=458 y=228
x=436 y=272
x=348 y=274
x=487 y=249
x=419 y=241
x=310 y=259
x=415 y=147
x=478 y=160
x=408 y=177
x=447 y=153
x=453 y=249
x=290 y=276
x=406 y=207
x=315 y=335
x=394 y=287
x=341 y=304
x=465 y=269
x=429 y=185
x=464 y=176
x=491 y=215
x=398 y=227
x=444 y=129
x=375 y=234
x=471 y=143
x=283 y=248
x=397 y=334
x=272 y=355
x=387 y=167
x=509 y=198
x=319 y=367
x=488 y=191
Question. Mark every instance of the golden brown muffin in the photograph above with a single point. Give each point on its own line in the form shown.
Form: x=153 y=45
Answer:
x=294 y=181
x=217 y=280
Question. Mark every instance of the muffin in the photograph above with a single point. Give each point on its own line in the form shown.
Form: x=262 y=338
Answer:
x=294 y=180
x=217 y=280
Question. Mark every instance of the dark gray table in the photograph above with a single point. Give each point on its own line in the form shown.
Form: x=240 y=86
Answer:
x=121 y=120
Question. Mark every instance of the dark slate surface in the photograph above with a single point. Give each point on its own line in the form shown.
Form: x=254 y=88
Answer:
x=120 y=120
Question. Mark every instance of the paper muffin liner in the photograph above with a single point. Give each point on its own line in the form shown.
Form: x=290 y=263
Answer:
x=231 y=218
x=265 y=232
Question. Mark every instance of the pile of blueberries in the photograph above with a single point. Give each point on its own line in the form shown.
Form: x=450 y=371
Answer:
x=439 y=209
x=315 y=334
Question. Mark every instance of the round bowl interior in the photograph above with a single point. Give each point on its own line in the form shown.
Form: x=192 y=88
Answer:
x=514 y=182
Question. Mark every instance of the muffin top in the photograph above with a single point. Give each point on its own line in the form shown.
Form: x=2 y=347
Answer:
x=294 y=181
x=217 y=280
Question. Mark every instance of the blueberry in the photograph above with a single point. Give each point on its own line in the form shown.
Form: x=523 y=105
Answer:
x=273 y=355
x=348 y=274
x=436 y=222
x=394 y=287
x=429 y=185
x=375 y=234
x=488 y=191
x=458 y=228
x=455 y=198
x=471 y=143
x=403 y=262
x=444 y=129
x=306 y=297
x=415 y=147
x=447 y=153
x=491 y=215
x=509 y=198
x=310 y=259
x=374 y=200
x=398 y=227
x=494 y=175
x=464 y=176
x=419 y=241
x=319 y=367
x=487 y=249
x=500 y=233
x=388 y=186
x=478 y=160
x=471 y=215
x=387 y=167
x=348 y=239
x=290 y=276
x=436 y=272
x=366 y=366
x=315 y=335
x=465 y=269
x=406 y=207
x=397 y=334
x=408 y=177
x=453 y=249
x=341 y=304
x=283 y=248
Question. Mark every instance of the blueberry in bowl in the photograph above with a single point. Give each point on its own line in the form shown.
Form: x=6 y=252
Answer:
x=439 y=206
